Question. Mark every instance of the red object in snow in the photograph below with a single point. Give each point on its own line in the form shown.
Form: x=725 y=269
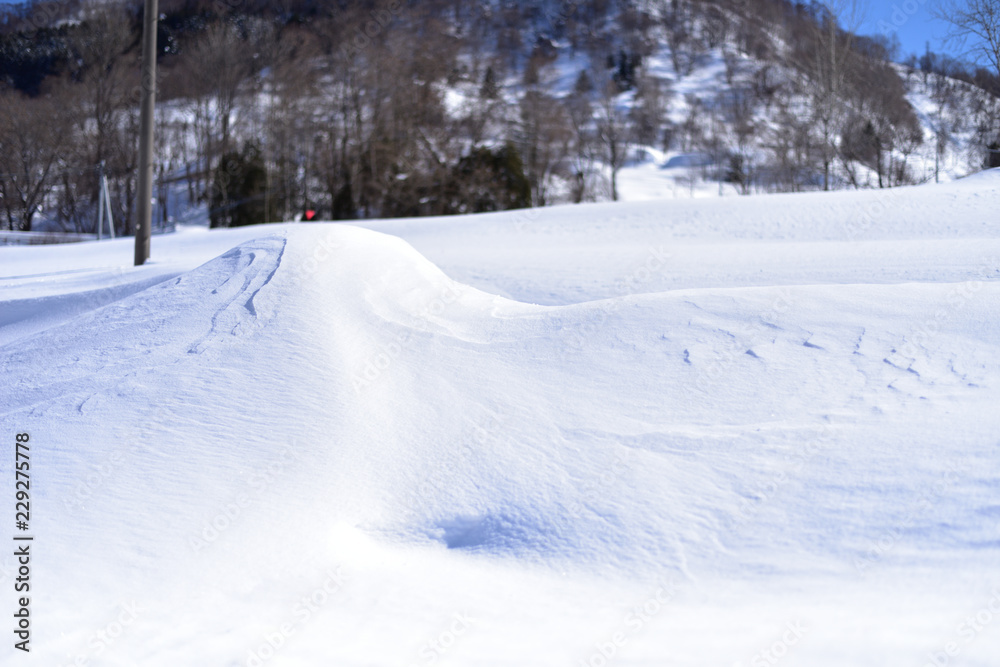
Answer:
x=310 y=215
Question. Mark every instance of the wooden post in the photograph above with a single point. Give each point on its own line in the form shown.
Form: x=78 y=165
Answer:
x=144 y=206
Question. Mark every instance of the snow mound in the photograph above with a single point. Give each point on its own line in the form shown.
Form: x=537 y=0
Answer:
x=412 y=392
x=987 y=177
x=325 y=397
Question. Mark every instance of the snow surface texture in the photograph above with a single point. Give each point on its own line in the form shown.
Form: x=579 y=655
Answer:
x=706 y=432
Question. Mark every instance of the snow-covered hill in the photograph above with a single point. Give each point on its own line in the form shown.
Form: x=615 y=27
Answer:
x=269 y=112
x=729 y=431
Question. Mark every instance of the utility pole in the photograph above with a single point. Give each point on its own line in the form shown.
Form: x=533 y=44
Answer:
x=144 y=207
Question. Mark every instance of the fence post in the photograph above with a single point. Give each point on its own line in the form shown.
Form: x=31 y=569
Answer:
x=107 y=204
x=100 y=201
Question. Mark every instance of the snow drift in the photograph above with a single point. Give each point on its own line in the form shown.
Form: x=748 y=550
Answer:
x=318 y=448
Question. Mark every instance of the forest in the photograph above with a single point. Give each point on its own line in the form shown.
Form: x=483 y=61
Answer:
x=394 y=108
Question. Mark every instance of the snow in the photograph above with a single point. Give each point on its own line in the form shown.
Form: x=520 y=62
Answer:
x=724 y=431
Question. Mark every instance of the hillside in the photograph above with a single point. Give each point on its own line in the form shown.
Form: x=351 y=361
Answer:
x=353 y=111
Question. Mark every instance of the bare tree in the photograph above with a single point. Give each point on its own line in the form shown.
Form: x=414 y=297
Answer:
x=30 y=133
x=105 y=36
x=832 y=52
x=546 y=135
x=480 y=116
x=791 y=144
x=678 y=27
x=217 y=65
x=613 y=133
x=649 y=110
x=976 y=28
x=290 y=129
x=945 y=118
x=737 y=109
x=692 y=133
x=579 y=106
x=103 y=103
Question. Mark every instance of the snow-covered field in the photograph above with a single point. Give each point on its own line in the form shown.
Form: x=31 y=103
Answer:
x=737 y=431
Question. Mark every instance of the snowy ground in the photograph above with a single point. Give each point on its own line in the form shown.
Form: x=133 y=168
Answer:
x=697 y=432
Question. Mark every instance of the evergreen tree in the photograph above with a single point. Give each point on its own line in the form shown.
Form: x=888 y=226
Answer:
x=238 y=190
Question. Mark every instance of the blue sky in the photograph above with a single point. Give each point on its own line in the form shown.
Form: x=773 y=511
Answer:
x=911 y=20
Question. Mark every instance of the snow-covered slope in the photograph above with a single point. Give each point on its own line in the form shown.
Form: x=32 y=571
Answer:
x=645 y=433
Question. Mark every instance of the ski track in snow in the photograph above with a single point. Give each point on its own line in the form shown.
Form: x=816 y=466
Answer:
x=244 y=263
